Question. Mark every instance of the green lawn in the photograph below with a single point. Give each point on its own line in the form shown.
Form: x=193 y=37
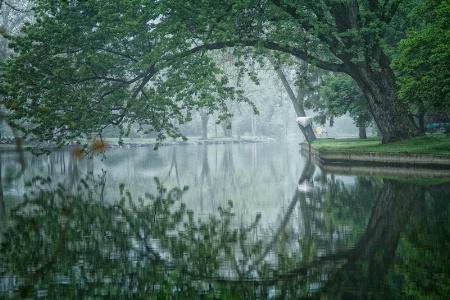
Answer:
x=429 y=144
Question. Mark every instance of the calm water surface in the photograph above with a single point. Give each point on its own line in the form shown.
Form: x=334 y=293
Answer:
x=244 y=221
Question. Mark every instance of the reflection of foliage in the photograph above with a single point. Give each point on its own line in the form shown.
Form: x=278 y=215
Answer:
x=343 y=209
x=73 y=245
x=422 y=265
x=366 y=264
x=350 y=205
x=62 y=244
x=66 y=245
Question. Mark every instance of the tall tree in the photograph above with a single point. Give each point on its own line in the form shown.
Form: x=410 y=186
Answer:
x=424 y=57
x=86 y=64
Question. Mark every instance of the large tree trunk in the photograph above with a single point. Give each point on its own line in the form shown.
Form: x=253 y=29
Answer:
x=379 y=87
x=371 y=69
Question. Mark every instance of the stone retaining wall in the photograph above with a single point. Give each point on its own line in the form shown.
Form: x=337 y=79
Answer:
x=373 y=158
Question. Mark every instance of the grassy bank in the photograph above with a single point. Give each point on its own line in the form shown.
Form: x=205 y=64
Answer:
x=438 y=144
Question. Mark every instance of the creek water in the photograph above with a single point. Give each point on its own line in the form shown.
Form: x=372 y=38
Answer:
x=226 y=221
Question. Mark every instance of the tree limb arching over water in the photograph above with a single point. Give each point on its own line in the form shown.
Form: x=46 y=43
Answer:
x=89 y=64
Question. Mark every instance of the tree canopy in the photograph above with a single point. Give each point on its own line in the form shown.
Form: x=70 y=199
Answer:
x=84 y=65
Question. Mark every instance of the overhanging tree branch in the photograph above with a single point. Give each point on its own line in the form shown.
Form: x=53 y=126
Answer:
x=269 y=45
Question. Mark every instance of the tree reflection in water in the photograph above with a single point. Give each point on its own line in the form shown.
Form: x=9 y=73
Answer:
x=355 y=241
